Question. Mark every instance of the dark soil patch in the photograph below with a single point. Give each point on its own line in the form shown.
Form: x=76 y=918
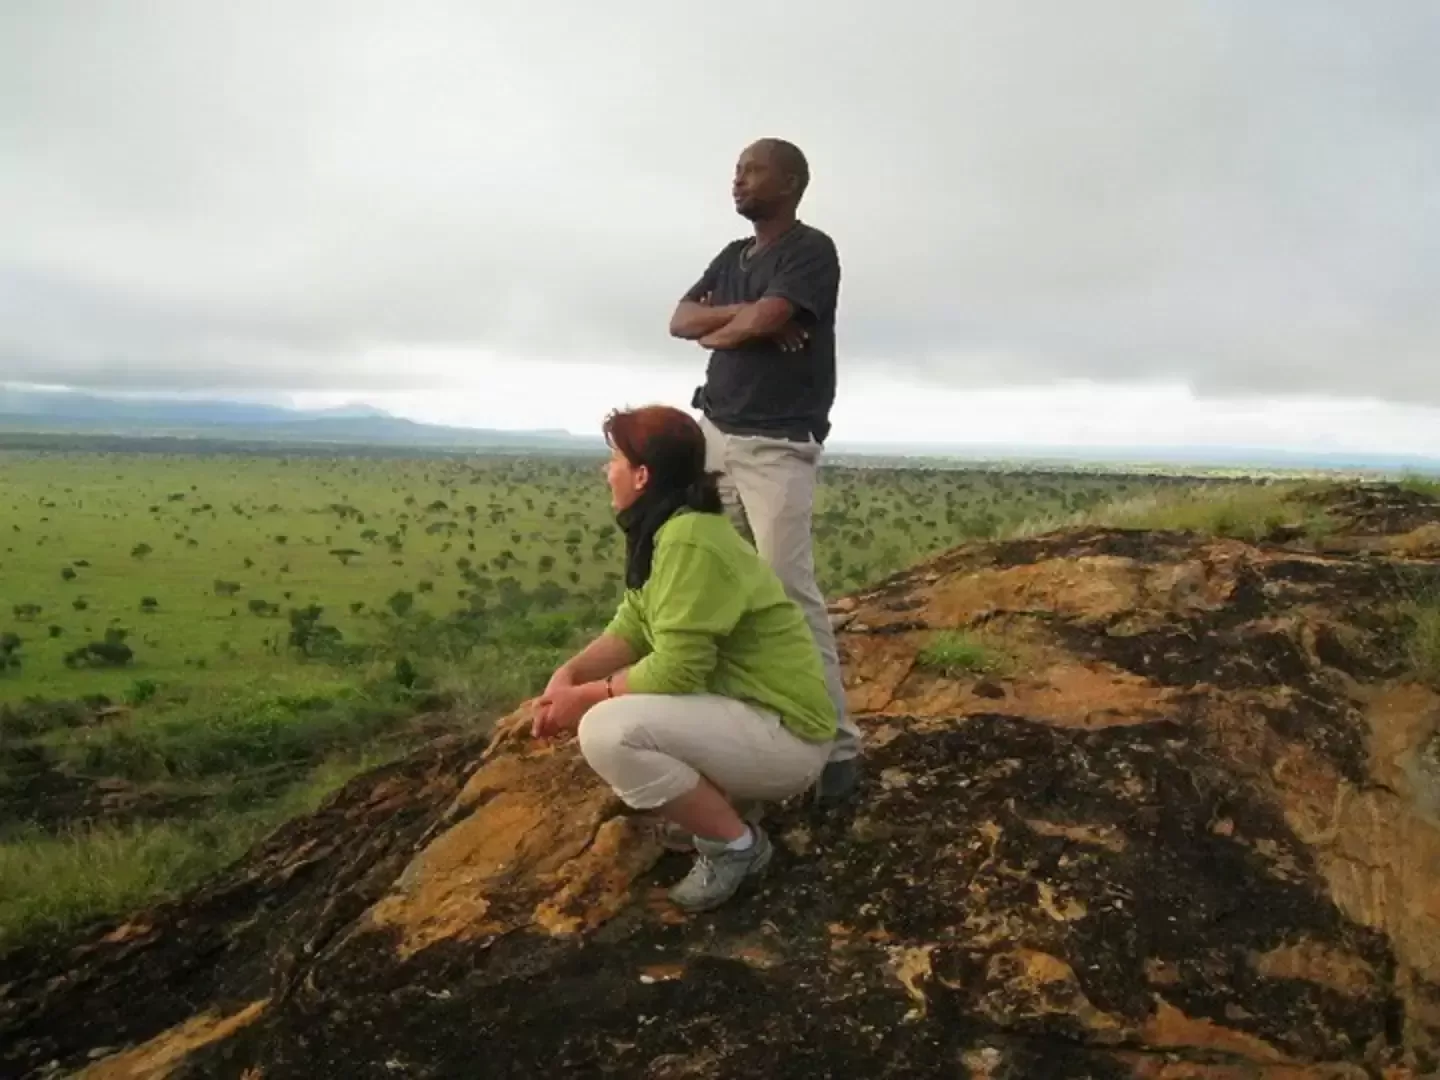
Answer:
x=31 y=783
x=1146 y=547
x=1378 y=509
x=37 y=790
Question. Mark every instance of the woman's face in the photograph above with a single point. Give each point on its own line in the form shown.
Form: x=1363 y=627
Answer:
x=626 y=481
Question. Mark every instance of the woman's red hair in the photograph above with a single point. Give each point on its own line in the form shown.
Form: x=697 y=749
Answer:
x=665 y=440
x=671 y=446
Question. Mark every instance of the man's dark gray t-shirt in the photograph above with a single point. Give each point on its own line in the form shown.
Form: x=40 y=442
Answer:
x=757 y=388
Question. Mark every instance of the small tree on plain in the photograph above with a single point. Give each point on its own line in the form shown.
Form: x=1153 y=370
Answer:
x=9 y=652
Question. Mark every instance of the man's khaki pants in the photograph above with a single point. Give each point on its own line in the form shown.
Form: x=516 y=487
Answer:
x=768 y=486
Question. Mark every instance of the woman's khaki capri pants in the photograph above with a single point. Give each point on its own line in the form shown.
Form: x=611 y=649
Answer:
x=653 y=748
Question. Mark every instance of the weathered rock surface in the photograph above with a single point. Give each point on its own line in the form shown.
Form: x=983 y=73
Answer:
x=1189 y=830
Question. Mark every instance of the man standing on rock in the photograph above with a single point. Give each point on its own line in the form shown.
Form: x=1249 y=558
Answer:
x=765 y=308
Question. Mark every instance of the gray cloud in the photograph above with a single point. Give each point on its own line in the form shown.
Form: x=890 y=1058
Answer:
x=1242 y=196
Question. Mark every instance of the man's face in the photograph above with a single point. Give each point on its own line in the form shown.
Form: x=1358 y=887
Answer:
x=759 y=187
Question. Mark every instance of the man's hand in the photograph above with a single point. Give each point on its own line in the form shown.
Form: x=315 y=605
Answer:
x=792 y=337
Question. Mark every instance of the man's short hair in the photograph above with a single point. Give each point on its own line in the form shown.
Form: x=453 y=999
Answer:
x=791 y=159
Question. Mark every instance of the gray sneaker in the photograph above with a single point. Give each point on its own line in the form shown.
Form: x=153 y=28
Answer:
x=674 y=838
x=718 y=872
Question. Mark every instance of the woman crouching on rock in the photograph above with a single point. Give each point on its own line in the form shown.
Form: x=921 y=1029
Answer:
x=706 y=687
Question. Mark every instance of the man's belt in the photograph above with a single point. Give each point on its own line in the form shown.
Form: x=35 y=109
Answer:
x=788 y=434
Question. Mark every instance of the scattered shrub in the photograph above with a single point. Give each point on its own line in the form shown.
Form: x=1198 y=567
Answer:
x=140 y=691
x=311 y=637
x=100 y=654
x=9 y=651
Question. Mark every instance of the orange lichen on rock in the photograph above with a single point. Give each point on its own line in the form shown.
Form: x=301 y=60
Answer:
x=1046 y=684
x=1148 y=1067
x=161 y=1056
x=590 y=889
x=1091 y=588
x=1316 y=962
x=1104 y=836
x=1170 y=1029
x=1380 y=860
x=1423 y=542
x=535 y=840
x=1404 y=722
x=1028 y=984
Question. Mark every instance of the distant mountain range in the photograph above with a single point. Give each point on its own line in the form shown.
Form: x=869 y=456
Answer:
x=25 y=409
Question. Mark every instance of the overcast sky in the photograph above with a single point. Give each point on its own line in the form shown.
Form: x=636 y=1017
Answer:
x=1221 y=218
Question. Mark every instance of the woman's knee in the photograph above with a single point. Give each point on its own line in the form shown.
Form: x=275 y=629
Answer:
x=605 y=729
x=618 y=745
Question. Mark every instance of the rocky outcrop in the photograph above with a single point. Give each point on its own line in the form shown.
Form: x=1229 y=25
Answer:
x=1179 y=821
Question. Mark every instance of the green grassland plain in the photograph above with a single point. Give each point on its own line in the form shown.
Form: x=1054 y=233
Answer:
x=224 y=533
x=177 y=550
x=441 y=589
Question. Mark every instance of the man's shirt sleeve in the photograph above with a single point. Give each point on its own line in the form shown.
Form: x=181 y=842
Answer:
x=708 y=279
x=808 y=275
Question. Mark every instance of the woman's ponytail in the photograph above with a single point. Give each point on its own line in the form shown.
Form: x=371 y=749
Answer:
x=703 y=494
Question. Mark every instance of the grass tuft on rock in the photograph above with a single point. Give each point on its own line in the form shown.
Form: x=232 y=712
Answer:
x=1251 y=513
x=954 y=653
x=1423 y=640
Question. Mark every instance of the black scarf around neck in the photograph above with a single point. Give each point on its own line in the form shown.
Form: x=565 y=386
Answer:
x=641 y=520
